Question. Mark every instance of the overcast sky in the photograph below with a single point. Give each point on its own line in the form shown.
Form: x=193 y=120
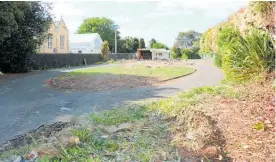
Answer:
x=161 y=20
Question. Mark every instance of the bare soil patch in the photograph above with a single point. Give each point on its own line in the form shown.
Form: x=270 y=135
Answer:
x=112 y=82
x=237 y=119
x=103 y=82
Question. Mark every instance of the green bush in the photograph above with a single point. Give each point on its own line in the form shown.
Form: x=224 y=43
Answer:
x=175 y=52
x=190 y=53
x=248 y=56
x=105 y=51
x=184 y=57
x=187 y=52
x=218 y=60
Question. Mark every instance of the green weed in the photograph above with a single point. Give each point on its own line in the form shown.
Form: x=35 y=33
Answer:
x=119 y=115
x=83 y=134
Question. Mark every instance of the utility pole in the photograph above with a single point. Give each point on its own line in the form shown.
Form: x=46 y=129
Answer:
x=115 y=27
x=115 y=41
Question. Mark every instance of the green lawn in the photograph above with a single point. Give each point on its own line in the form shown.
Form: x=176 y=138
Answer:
x=160 y=72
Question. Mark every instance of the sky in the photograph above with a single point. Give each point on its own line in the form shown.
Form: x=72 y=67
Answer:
x=162 y=20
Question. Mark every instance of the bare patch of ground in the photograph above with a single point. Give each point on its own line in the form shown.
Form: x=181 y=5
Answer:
x=103 y=82
x=247 y=122
x=111 y=82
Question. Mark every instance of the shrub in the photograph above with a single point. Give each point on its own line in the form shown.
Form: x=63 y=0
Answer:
x=187 y=52
x=105 y=51
x=217 y=60
x=191 y=53
x=175 y=52
x=250 y=56
x=184 y=57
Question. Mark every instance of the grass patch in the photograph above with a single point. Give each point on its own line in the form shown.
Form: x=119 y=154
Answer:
x=161 y=72
x=119 y=115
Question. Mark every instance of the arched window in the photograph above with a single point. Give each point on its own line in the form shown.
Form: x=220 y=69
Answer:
x=50 y=41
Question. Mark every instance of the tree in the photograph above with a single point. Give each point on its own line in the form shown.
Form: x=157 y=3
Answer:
x=159 y=45
x=102 y=26
x=186 y=39
x=175 y=52
x=23 y=26
x=152 y=41
x=128 y=45
x=105 y=51
x=142 y=43
x=135 y=44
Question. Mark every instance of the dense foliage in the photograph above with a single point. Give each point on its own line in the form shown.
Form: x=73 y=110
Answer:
x=175 y=52
x=152 y=41
x=128 y=45
x=248 y=56
x=155 y=44
x=244 y=46
x=187 y=39
x=142 y=43
x=23 y=26
x=186 y=45
x=159 y=45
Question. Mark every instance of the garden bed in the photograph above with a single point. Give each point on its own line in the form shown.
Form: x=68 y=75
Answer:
x=123 y=76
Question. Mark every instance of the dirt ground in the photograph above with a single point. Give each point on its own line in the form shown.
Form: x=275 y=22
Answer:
x=238 y=119
x=104 y=82
x=111 y=82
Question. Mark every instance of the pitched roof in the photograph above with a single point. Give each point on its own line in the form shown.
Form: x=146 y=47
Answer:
x=153 y=49
x=56 y=23
x=77 y=38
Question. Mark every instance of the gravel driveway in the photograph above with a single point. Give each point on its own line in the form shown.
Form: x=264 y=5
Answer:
x=26 y=103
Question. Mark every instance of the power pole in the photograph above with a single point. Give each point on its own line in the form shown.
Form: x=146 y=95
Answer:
x=115 y=27
x=115 y=41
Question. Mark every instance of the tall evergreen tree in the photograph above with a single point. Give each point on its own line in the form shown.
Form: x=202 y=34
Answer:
x=23 y=27
x=142 y=43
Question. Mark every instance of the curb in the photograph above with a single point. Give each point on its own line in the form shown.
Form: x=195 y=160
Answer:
x=178 y=76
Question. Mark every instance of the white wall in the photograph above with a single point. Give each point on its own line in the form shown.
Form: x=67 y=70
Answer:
x=89 y=47
x=160 y=55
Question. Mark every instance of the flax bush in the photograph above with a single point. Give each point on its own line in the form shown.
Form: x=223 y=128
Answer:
x=247 y=57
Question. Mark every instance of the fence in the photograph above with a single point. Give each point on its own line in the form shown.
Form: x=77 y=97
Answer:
x=119 y=56
x=46 y=61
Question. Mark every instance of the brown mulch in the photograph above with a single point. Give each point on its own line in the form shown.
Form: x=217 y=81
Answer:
x=109 y=82
x=103 y=82
x=236 y=117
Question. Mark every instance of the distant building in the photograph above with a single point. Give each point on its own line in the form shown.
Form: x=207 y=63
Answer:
x=85 y=43
x=153 y=54
x=57 y=39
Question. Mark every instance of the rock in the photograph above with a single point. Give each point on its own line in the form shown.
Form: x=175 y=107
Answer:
x=49 y=152
x=209 y=150
x=1 y=73
x=68 y=141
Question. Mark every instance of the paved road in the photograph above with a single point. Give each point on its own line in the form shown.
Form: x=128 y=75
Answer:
x=26 y=103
